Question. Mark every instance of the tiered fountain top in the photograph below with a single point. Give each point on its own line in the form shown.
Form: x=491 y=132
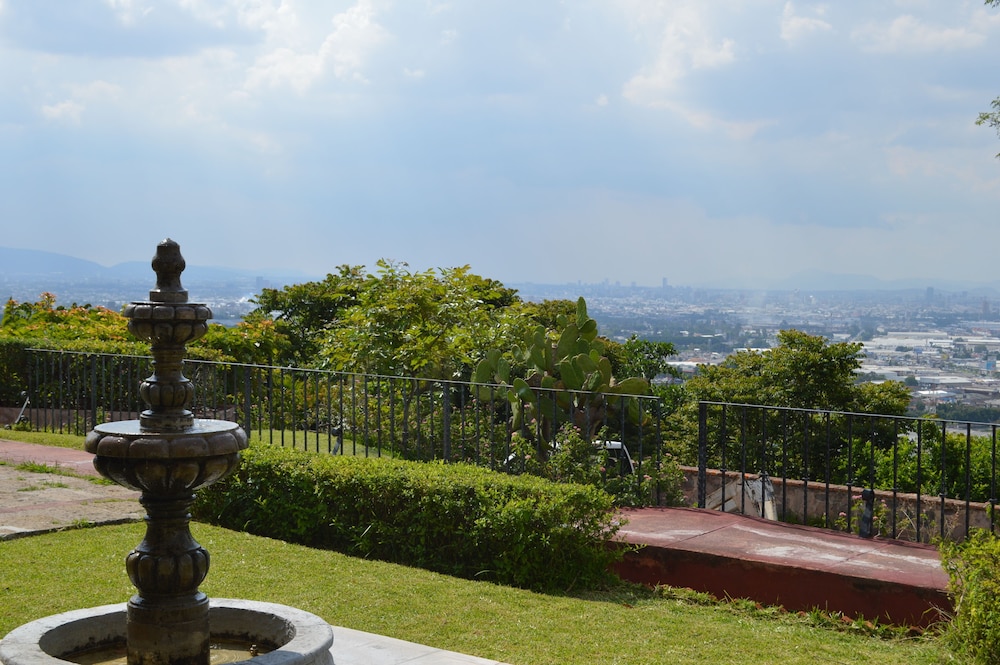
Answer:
x=167 y=428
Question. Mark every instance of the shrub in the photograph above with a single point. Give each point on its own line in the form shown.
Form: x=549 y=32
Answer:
x=14 y=367
x=455 y=519
x=974 y=571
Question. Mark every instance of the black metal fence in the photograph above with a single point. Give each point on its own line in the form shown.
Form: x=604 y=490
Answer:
x=879 y=475
x=359 y=414
x=901 y=477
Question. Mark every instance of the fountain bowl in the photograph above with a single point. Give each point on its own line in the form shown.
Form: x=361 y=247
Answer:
x=294 y=637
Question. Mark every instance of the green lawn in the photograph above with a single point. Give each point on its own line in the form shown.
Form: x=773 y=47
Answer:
x=289 y=438
x=624 y=626
x=47 y=574
x=44 y=438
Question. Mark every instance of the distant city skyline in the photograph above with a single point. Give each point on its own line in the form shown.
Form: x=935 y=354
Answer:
x=723 y=145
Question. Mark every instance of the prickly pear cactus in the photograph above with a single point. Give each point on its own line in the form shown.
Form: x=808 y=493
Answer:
x=569 y=367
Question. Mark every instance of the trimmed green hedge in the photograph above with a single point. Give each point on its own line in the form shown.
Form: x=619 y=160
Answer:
x=455 y=519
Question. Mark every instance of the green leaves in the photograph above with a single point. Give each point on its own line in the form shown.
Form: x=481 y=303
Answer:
x=974 y=573
x=455 y=519
x=991 y=118
x=432 y=324
x=803 y=371
x=569 y=362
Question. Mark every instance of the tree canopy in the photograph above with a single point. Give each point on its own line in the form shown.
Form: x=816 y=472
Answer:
x=991 y=118
x=803 y=371
x=303 y=313
x=42 y=319
x=430 y=324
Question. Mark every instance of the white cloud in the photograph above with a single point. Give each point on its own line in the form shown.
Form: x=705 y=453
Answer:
x=283 y=66
x=684 y=44
x=129 y=11
x=68 y=110
x=344 y=51
x=602 y=100
x=795 y=28
x=909 y=34
x=82 y=96
x=96 y=90
x=218 y=14
x=415 y=74
x=709 y=122
x=355 y=35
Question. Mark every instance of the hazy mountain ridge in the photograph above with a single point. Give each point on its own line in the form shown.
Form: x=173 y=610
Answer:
x=34 y=264
x=29 y=264
x=815 y=280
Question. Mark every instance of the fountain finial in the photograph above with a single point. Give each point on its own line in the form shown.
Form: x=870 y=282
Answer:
x=168 y=264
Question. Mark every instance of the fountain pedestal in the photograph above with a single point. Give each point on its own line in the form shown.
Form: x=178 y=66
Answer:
x=168 y=565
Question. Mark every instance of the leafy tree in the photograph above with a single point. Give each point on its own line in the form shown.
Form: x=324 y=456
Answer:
x=426 y=325
x=101 y=330
x=969 y=412
x=547 y=312
x=991 y=118
x=803 y=371
x=254 y=340
x=430 y=324
x=641 y=357
x=304 y=313
x=44 y=321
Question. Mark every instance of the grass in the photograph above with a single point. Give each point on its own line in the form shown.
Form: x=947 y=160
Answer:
x=52 y=573
x=44 y=485
x=38 y=467
x=309 y=441
x=628 y=625
x=44 y=438
x=292 y=439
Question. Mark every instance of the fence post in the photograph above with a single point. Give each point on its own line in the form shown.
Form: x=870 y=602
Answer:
x=702 y=453
x=247 y=402
x=867 y=515
x=93 y=394
x=446 y=423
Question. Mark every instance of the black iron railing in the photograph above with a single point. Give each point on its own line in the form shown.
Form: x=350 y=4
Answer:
x=915 y=478
x=883 y=475
x=360 y=414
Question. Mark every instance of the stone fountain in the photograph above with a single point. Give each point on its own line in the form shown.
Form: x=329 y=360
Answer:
x=167 y=454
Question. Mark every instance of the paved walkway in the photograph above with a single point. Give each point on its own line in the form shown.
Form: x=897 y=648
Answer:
x=70 y=459
x=39 y=502
x=727 y=555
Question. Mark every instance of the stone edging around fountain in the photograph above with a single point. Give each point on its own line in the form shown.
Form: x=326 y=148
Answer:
x=302 y=638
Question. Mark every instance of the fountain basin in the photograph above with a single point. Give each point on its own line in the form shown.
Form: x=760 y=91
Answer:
x=295 y=637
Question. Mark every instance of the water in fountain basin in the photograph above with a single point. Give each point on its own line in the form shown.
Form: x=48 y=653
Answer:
x=221 y=652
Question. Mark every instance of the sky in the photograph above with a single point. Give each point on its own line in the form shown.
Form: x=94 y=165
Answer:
x=703 y=142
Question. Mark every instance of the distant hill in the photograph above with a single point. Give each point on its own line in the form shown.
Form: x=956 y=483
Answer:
x=42 y=268
x=814 y=280
x=21 y=263
x=31 y=264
